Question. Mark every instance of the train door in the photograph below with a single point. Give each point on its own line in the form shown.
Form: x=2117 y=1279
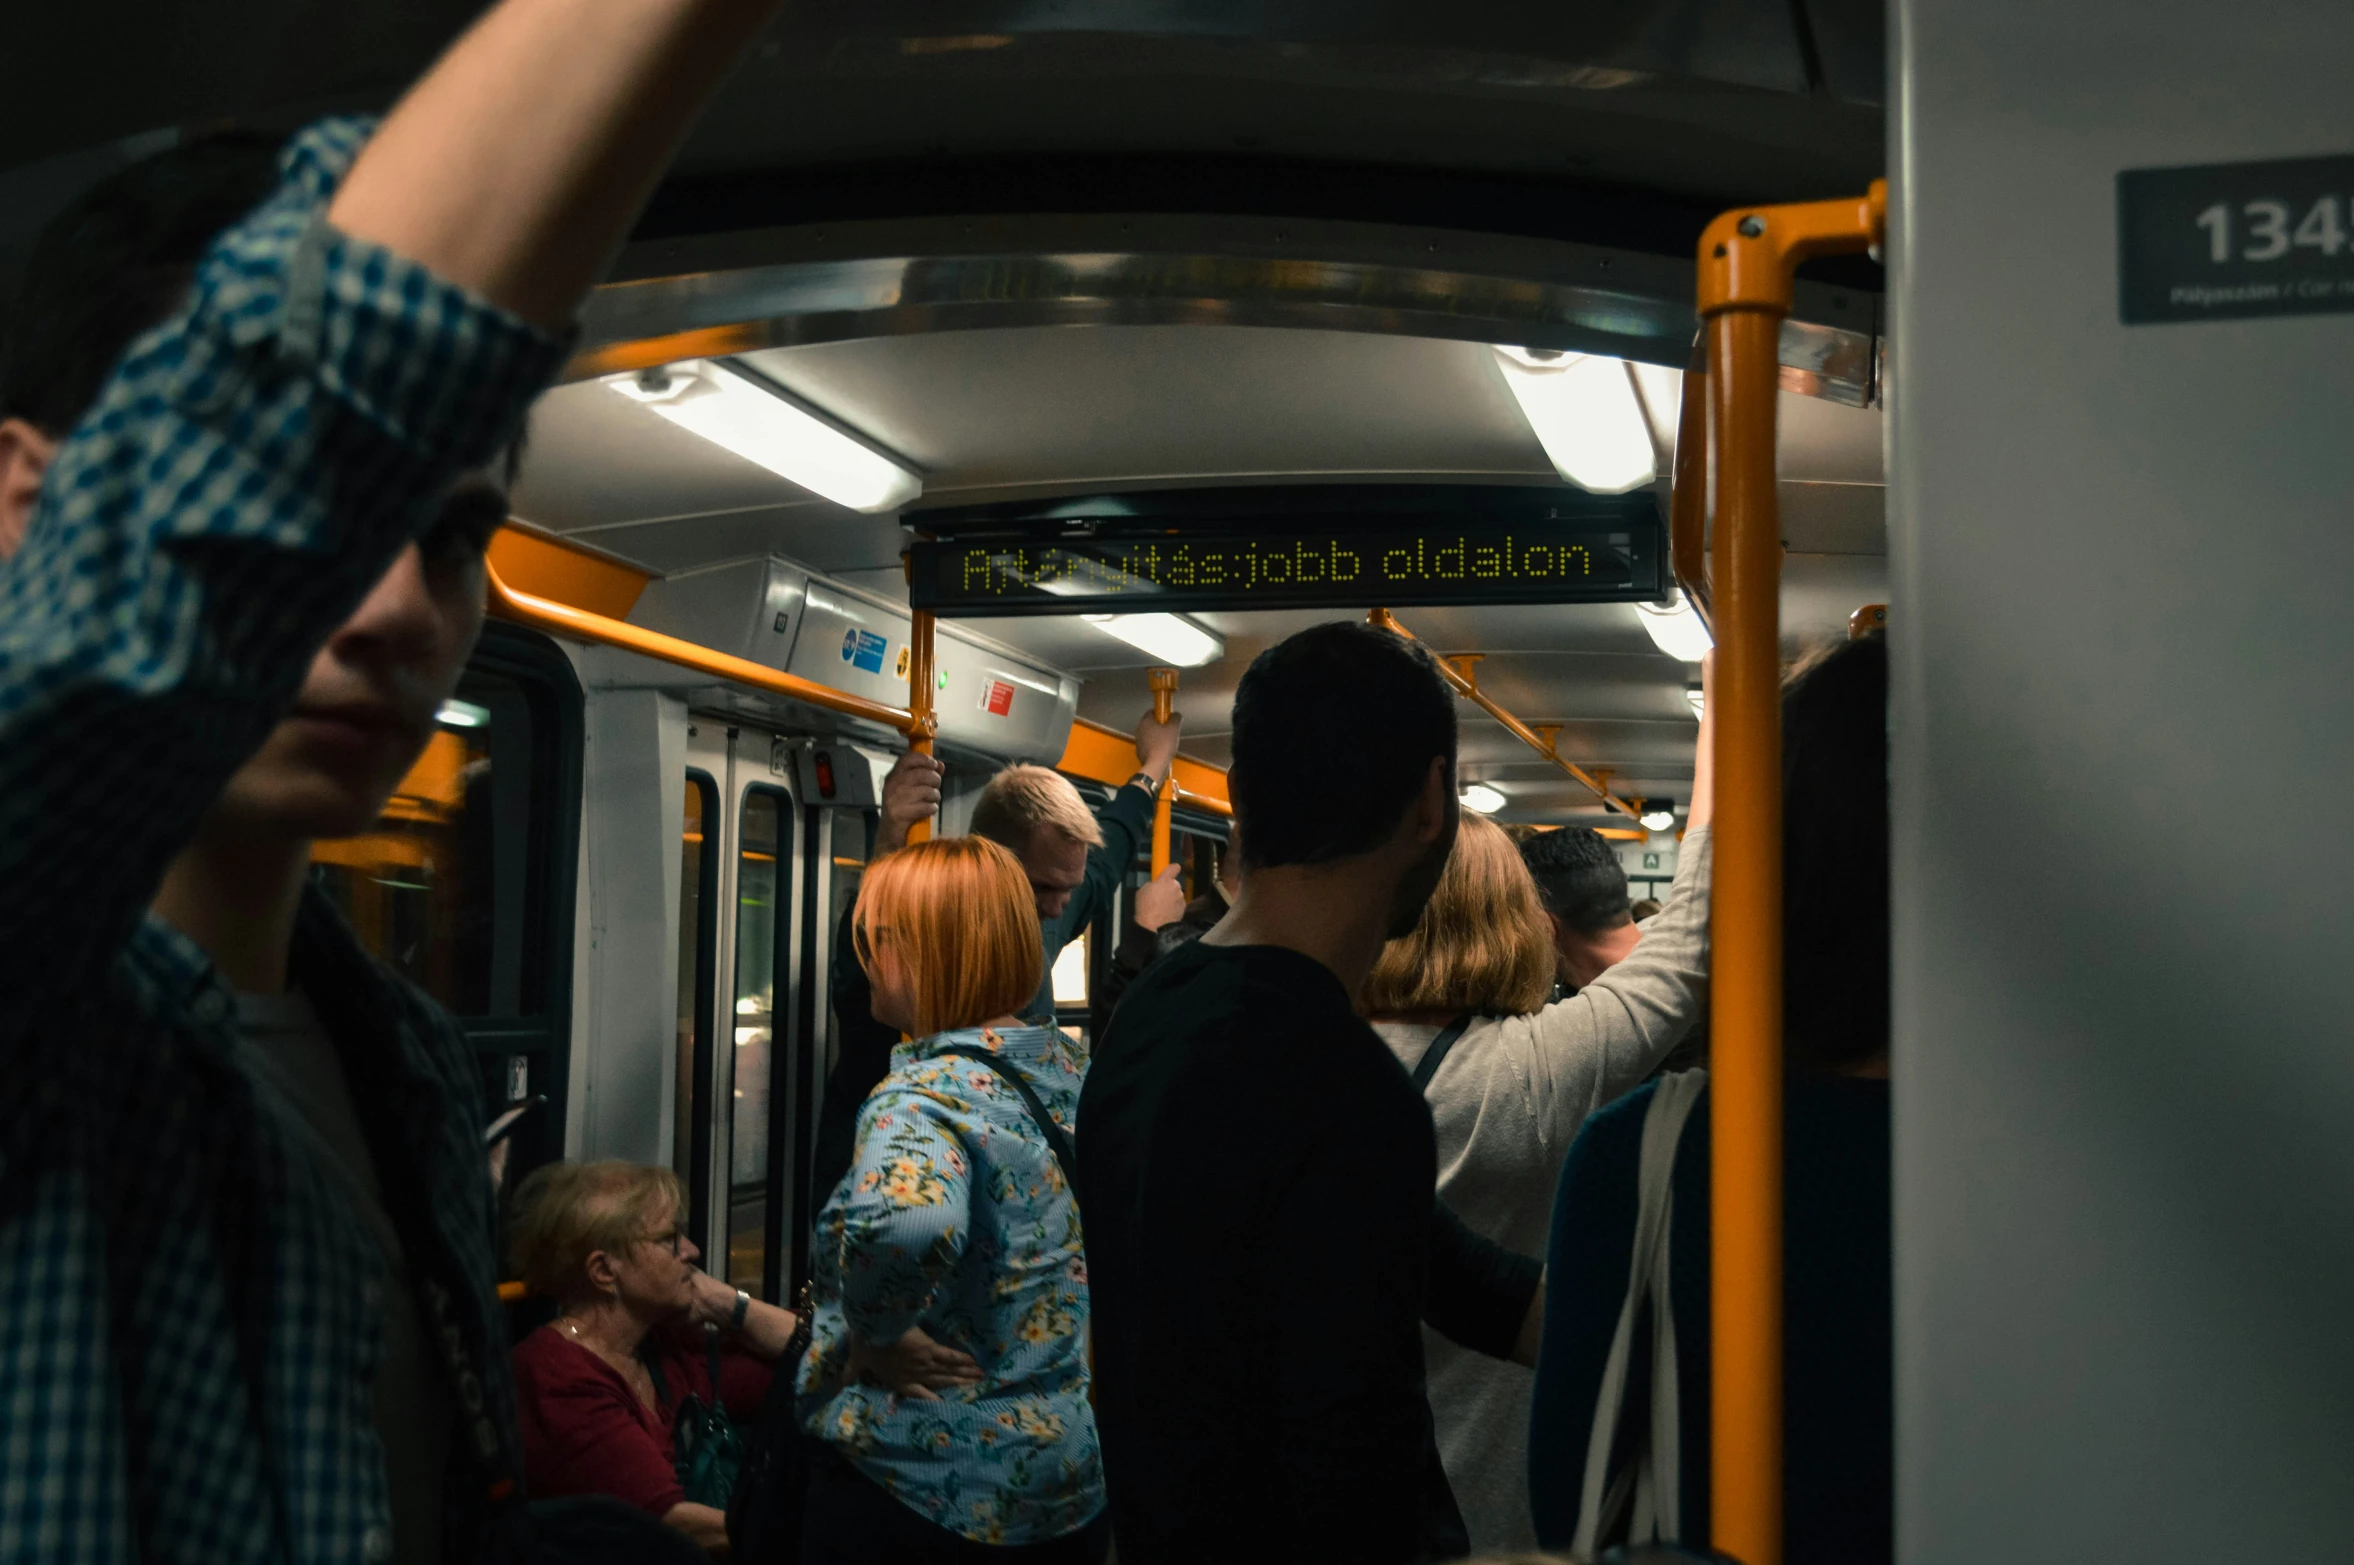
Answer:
x=736 y=1135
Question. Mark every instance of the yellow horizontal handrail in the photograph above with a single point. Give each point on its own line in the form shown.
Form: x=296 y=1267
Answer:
x=563 y=619
x=1468 y=688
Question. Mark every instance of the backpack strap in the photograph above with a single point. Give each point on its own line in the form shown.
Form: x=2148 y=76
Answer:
x=1057 y=1142
x=1436 y=1055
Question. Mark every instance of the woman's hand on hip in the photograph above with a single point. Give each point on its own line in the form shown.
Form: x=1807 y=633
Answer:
x=914 y=1366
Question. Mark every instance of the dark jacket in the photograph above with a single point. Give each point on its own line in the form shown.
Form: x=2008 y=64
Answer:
x=1140 y=948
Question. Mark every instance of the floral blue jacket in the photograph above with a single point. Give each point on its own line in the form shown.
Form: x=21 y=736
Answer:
x=955 y=1217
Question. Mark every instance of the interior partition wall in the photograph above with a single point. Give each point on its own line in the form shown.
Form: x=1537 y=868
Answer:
x=2120 y=558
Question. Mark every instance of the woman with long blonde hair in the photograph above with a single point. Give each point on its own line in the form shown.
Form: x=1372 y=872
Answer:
x=956 y=1218
x=1462 y=1002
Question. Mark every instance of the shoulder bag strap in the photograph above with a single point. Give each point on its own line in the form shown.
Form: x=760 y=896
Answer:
x=1602 y=1493
x=1056 y=1142
x=1436 y=1055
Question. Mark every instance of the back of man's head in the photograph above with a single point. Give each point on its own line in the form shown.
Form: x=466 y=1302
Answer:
x=1334 y=733
x=115 y=263
x=1021 y=799
x=1579 y=878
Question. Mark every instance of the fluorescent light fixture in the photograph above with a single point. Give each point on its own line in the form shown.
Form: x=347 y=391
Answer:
x=1169 y=637
x=1659 y=814
x=1676 y=630
x=1481 y=798
x=763 y=423
x=1582 y=409
x=1694 y=699
x=462 y=714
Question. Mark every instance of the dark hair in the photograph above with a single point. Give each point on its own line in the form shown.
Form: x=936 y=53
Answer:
x=1579 y=877
x=117 y=262
x=1334 y=732
x=1835 y=859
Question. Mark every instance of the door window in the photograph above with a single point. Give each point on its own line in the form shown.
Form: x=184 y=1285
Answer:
x=763 y=849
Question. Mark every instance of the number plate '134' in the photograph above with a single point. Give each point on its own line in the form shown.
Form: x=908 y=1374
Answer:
x=2225 y=241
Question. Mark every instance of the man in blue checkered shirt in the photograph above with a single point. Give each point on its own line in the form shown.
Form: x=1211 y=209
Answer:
x=246 y=1278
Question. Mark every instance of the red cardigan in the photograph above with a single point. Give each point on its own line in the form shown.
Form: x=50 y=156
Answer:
x=586 y=1432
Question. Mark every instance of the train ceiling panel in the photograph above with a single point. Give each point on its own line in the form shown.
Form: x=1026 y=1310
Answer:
x=1004 y=414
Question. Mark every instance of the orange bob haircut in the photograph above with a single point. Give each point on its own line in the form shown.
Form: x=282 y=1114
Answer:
x=1483 y=944
x=959 y=915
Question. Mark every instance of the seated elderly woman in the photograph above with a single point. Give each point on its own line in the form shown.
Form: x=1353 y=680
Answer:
x=599 y=1388
x=956 y=1217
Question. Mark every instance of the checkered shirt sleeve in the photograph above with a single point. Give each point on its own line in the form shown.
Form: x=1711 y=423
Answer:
x=248 y=472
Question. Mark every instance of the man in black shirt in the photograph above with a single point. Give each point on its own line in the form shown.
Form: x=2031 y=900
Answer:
x=1255 y=1169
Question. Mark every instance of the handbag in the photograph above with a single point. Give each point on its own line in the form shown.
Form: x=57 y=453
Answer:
x=707 y=1448
x=1644 y=1493
x=764 y=1512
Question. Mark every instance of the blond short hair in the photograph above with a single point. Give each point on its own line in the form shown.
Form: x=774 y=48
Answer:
x=959 y=915
x=1483 y=944
x=566 y=1212
x=1022 y=799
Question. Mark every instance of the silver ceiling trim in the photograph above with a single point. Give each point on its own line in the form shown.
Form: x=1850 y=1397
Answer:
x=1353 y=278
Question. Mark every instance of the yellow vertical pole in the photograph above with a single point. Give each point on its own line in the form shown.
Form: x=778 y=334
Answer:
x=920 y=690
x=1164 y=705
x=1747 y=262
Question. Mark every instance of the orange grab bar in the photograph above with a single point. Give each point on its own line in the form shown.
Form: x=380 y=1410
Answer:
x=1747 y=260
x=922 y=660
x=1164 y=706
x=1467 y=687
x=1107 y=756
x=564 y=620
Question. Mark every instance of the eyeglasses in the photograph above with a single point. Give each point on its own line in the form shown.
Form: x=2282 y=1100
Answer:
x=671 y=1241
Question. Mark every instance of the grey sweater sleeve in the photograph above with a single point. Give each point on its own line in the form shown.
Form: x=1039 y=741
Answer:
x=1602 y=1041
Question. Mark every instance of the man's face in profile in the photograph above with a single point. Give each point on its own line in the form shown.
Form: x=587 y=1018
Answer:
x=369 y=702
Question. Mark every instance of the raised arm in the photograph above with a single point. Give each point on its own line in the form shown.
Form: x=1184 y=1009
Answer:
x=1126 y=821
x=519 y=161
x=1604 y=1040
x=256 y=462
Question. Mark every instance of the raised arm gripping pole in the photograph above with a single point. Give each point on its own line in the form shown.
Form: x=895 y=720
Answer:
x=563 y=619
x=1747 y=260
x=1164 y=705
x=1467 y=686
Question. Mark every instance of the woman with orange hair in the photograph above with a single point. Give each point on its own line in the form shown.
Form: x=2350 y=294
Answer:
x=957 y=1219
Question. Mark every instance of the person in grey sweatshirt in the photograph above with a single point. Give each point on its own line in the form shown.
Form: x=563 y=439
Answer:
x=1514 y=1080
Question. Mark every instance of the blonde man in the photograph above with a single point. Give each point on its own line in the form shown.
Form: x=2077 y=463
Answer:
x=1072 y=858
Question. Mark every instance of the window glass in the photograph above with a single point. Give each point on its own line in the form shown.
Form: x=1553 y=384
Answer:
x=763 y=845
x=439 y=890
x=1071 y=967
x=854 y=836
x=694 y=880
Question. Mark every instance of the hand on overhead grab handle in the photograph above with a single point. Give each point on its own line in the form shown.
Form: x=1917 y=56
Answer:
x=1160 y=901
x=1156 y=744
x=911 y=793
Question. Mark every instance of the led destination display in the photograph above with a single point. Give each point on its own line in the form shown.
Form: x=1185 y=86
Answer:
x=1390 y=560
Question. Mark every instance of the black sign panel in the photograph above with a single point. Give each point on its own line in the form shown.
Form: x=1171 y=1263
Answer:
x=1470 y=546
x=2225 y=241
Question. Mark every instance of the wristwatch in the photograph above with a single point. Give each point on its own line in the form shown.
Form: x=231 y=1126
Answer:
x=743 y=1308
x=1145 y=780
